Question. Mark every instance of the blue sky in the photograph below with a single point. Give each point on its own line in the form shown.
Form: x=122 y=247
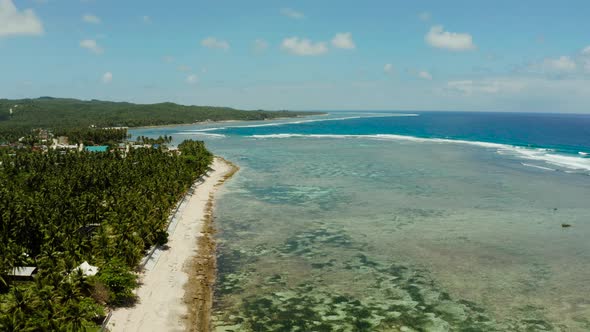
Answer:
x=379 y=54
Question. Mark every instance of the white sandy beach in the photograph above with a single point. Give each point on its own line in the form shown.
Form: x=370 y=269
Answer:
x=160 y=304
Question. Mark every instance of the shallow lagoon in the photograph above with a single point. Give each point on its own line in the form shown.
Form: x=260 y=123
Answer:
x=371 y=235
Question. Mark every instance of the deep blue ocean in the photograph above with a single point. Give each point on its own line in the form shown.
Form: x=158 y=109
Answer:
x=565 y=133
x=557 y=141
x=402 y=221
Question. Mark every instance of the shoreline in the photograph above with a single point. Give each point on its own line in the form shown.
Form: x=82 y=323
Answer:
x=198 y=296
x=165 y=284
x=221 y=121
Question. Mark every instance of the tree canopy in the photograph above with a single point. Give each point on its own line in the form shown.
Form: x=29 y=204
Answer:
x=56 y=113
x=59 y=209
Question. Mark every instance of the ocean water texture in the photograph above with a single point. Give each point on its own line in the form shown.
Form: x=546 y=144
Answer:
x=419 y=222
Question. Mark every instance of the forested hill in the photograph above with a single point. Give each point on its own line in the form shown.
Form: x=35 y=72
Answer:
x=47 y=112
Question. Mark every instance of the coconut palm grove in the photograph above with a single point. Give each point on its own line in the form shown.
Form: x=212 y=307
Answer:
x=76 y=191
x=61 y=209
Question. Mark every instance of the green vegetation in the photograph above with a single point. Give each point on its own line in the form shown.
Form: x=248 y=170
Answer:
x=91 y=136
x=55 y=113
x=59 y=209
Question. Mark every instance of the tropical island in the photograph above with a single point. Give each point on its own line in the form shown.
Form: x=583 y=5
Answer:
x=19 y=116
x=83 y=207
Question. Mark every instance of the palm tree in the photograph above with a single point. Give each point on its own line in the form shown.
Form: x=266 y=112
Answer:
x=46 y=199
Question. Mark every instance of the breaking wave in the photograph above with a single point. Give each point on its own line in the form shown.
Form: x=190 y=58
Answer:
x=200 y=134
x=276 y=124
x=545 y=155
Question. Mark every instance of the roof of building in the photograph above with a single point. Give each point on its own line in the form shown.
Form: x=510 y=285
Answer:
x=99 y=148
x=87 y=269
x=22 y=271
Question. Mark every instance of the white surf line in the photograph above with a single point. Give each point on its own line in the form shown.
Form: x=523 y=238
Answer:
x=540 y=154
x=200 y=134
x=275 y=124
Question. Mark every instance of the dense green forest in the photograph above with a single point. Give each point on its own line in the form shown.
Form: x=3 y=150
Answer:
x=55 y=113
x=59 y=209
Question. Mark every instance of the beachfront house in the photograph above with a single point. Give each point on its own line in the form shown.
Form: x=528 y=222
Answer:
x=87 y=269
x=22 y=273
x=63 y=140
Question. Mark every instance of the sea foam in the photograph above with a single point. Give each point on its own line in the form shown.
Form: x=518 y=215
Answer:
x=200 y=134
x=539 y=154
x=277 y=124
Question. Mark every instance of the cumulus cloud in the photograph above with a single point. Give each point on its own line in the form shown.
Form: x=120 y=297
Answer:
x=489 y=86
x=214 y=43
x=18 y=23
x=107 y=77
x=573 y=65
x=184 y=68
x=388 y=68
x=557 y=67
x=260 y=45
x=425 y=16
x=584 y=59
x=439 y=38
x=343 y=40
x=146 y=19
x=292 y=13
x=92 y=19
x=423 y=74
x=192 y=79
x=91 y=45
x=563 y=64
x=303 y=47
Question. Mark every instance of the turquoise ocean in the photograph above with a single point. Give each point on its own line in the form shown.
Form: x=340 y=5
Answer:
x=402 y=221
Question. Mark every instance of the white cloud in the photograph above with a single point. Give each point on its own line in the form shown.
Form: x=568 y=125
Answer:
x=343 y=40
x=453 y=41
x=303 y=47
x=92 y=19
x=17 y=23
x=184 y=68
x=107 y=77
x=260 y=45
x=292 y=13
x=388 y=68
x=563 y=64
x=584 y=59
x=425 y=75
x=214 y=43
x=425 y=16
x=192 y=79
x=91 y=45
x=489 y=86
x=518 y=93
x=146 y=19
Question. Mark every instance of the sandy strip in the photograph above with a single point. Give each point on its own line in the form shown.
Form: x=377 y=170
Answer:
x=161 y=304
